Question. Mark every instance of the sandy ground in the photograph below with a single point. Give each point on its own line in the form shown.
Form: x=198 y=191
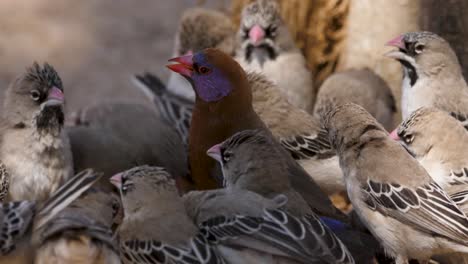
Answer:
x=95 y=45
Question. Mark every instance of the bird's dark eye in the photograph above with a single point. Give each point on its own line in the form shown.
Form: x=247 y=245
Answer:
x=204 y=70
x=408 y=138
x=418 y=48
x=226 y=156
x=271 y=31
x=35 y=95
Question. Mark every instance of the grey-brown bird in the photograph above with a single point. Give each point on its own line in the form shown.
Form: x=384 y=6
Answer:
x=117 y=136
x=156 y=227
x=362 y=87
x=265 y=45
x=439 y=141
x=34 y=147
x=412 y=216
x=252 y=160
x=22 y=222
x=432 y=75
x=200 y=28
x=81 y=233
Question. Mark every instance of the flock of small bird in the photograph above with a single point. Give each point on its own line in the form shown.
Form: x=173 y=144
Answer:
x=237 y=163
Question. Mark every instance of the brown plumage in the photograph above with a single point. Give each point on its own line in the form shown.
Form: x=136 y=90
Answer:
x=223 y=106
x=214 y=122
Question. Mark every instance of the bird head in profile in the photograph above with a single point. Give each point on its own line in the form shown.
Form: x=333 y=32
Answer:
x=213 y=74
x=143 y=182
x=36 y=99
x=422 y=53
x=428 y=130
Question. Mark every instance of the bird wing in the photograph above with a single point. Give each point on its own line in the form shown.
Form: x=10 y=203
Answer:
x=308 y=146
x=152 y=251
x=64 y=196
x=426 y=208
x=174 y=108
x=17 y=219
x=305 y=239
x=459 y=177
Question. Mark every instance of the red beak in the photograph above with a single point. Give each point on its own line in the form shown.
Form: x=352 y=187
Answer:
x=184 y=65
x=215 y=152
x=394 y=135
x=397 y=42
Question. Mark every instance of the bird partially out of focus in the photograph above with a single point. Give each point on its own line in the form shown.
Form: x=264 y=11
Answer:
x=264 y=44
x=34 y=148
x=362 y=87
x=115 y=136
x=432 y=75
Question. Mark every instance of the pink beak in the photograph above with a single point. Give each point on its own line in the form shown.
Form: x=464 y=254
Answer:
x=394 y=135
x=397 y=42
x=256 y=34
x=215 y=152
x=184 y=65
x=55 y=96
x=116 y=180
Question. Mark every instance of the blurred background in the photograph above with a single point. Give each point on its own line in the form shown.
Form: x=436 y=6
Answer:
x=97 y=45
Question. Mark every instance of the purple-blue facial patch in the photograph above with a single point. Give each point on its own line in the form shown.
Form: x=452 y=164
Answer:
x=213 y=86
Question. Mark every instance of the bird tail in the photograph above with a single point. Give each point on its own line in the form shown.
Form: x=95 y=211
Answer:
x=176 y=109
x=65 y=195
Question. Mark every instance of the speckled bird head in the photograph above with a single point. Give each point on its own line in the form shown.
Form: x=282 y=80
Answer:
x=213 y=74
x=143 y=182
x=201 y=28
x=428 y=129
x=35 y=99
x=248 y=154
x=263 y=33
x=423 y=53
x=349 y=124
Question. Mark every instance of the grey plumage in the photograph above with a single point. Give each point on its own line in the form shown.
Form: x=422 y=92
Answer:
x=116 y=136
x=81 y=233
x=34 y=148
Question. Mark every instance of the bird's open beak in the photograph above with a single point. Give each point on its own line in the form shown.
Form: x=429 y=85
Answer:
x=184 y=65
x=55 y=97
x=116 y=180
x=394 y=135
x=400 y=53
x=215 y=152
x=256 y=34
x=397 y=42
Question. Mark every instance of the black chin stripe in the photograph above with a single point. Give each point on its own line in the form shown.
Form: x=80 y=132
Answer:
x=262 y=53
x=50 y=118
x=411 y=71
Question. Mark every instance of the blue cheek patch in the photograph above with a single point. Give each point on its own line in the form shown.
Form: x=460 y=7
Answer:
x=213 y=86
